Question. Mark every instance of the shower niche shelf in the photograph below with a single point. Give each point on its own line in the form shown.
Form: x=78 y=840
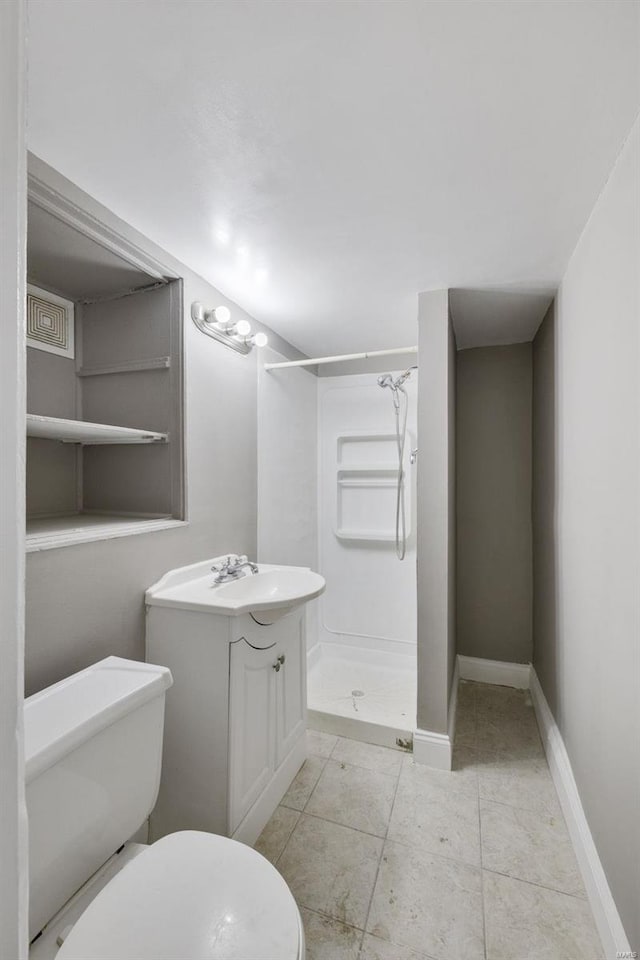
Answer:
x=368 y=450
x=366 y=484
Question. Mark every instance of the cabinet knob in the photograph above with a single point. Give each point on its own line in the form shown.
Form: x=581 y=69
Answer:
x=277 y=665
x=281 y=658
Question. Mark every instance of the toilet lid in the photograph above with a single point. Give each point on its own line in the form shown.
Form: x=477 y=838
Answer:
x=190 y=895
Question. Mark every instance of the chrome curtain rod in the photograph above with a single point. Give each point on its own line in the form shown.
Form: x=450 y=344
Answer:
x=340 y=359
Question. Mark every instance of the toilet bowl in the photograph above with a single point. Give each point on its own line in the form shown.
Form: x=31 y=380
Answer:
x=93 y=753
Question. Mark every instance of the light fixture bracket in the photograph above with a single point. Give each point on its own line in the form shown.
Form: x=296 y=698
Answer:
x=199 y=317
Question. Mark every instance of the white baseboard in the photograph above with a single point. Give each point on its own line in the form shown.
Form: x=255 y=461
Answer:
x=614 y=940
x=432 y=749
x=494 y=671
x=436 y=749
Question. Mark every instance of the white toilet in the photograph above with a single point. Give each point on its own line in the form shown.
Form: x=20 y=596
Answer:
x=93 y=754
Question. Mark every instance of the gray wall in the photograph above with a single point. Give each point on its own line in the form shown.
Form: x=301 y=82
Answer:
x=436 y=510
x=452 y=518
x=51 y=467
x=85 y=602
x=288 y=471
x=14 y=892
x=587 y=517
x=544 y=506
x=494 y=549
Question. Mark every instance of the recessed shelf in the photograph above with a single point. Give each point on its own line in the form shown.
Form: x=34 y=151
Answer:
x=370 y=449
x=46 y=533
x=383 y=467
x=81 y=431
x=375 y=535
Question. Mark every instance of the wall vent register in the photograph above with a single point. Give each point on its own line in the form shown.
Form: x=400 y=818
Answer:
x=50 y=322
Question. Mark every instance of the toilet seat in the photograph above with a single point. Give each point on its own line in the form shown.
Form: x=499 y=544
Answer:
x=191 y=896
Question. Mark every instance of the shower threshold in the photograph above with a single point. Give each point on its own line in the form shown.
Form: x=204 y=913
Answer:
x=363 y=694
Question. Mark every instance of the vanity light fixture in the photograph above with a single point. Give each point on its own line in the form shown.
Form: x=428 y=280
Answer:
x=217 y=323
x=242 y=328
x=221 y=315
x=258 y=339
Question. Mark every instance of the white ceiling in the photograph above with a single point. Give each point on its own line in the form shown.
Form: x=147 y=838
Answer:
x=488 y=318
x=323 y=162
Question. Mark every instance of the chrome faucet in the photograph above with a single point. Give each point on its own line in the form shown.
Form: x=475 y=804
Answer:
x=232 y=568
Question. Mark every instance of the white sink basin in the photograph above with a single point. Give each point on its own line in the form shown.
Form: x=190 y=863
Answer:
x=270 y=593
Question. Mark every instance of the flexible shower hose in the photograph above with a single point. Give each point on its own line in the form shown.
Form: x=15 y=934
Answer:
x=401 y=537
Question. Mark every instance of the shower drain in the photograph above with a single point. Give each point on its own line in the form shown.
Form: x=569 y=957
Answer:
x=357 y=693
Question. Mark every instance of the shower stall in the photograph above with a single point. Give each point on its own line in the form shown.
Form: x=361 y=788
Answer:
x=362 y=669
x=338 y=454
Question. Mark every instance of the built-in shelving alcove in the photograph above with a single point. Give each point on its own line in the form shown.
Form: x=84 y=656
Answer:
x=104 y=380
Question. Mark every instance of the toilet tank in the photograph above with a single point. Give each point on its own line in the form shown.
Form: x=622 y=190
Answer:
x=93 y=751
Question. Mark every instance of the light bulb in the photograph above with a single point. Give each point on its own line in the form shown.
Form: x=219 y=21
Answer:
x=261 y=339
x=222 y=314
x=243 y=328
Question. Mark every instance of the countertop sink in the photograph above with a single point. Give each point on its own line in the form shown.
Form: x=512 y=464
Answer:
x=272 y=590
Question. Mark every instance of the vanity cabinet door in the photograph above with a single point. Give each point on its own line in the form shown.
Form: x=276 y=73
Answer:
x=252 y=726
x=291 y=685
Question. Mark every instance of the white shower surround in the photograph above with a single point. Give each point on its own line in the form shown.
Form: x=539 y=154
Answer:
x=370 y=600
x=366 y=639
x=361 y=635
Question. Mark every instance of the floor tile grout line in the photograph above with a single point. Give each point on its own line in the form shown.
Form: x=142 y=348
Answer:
x=378 y=746
x=394 y=943
x=350 y=926
x=536 y=813
x=328 y=916
x=384 y=843
x=358 y=766
x=346 y=826
x=431 y=853
x=532 y=883
x=351 y=763
x=513 y=806
x=302 y=809
x=482 y=900
x=313 y=788
x=285 y=844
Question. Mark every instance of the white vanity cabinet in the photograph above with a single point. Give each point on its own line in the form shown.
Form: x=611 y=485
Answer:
x=235 y=717
x=267 y=715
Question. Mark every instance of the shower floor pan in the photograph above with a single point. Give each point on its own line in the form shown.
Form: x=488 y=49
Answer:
x=363 y=694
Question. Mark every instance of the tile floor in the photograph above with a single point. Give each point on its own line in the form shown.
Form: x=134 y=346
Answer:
x=389 y=860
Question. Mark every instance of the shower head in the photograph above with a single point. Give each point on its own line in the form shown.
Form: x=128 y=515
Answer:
x=404 y=376
x=386 y=380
